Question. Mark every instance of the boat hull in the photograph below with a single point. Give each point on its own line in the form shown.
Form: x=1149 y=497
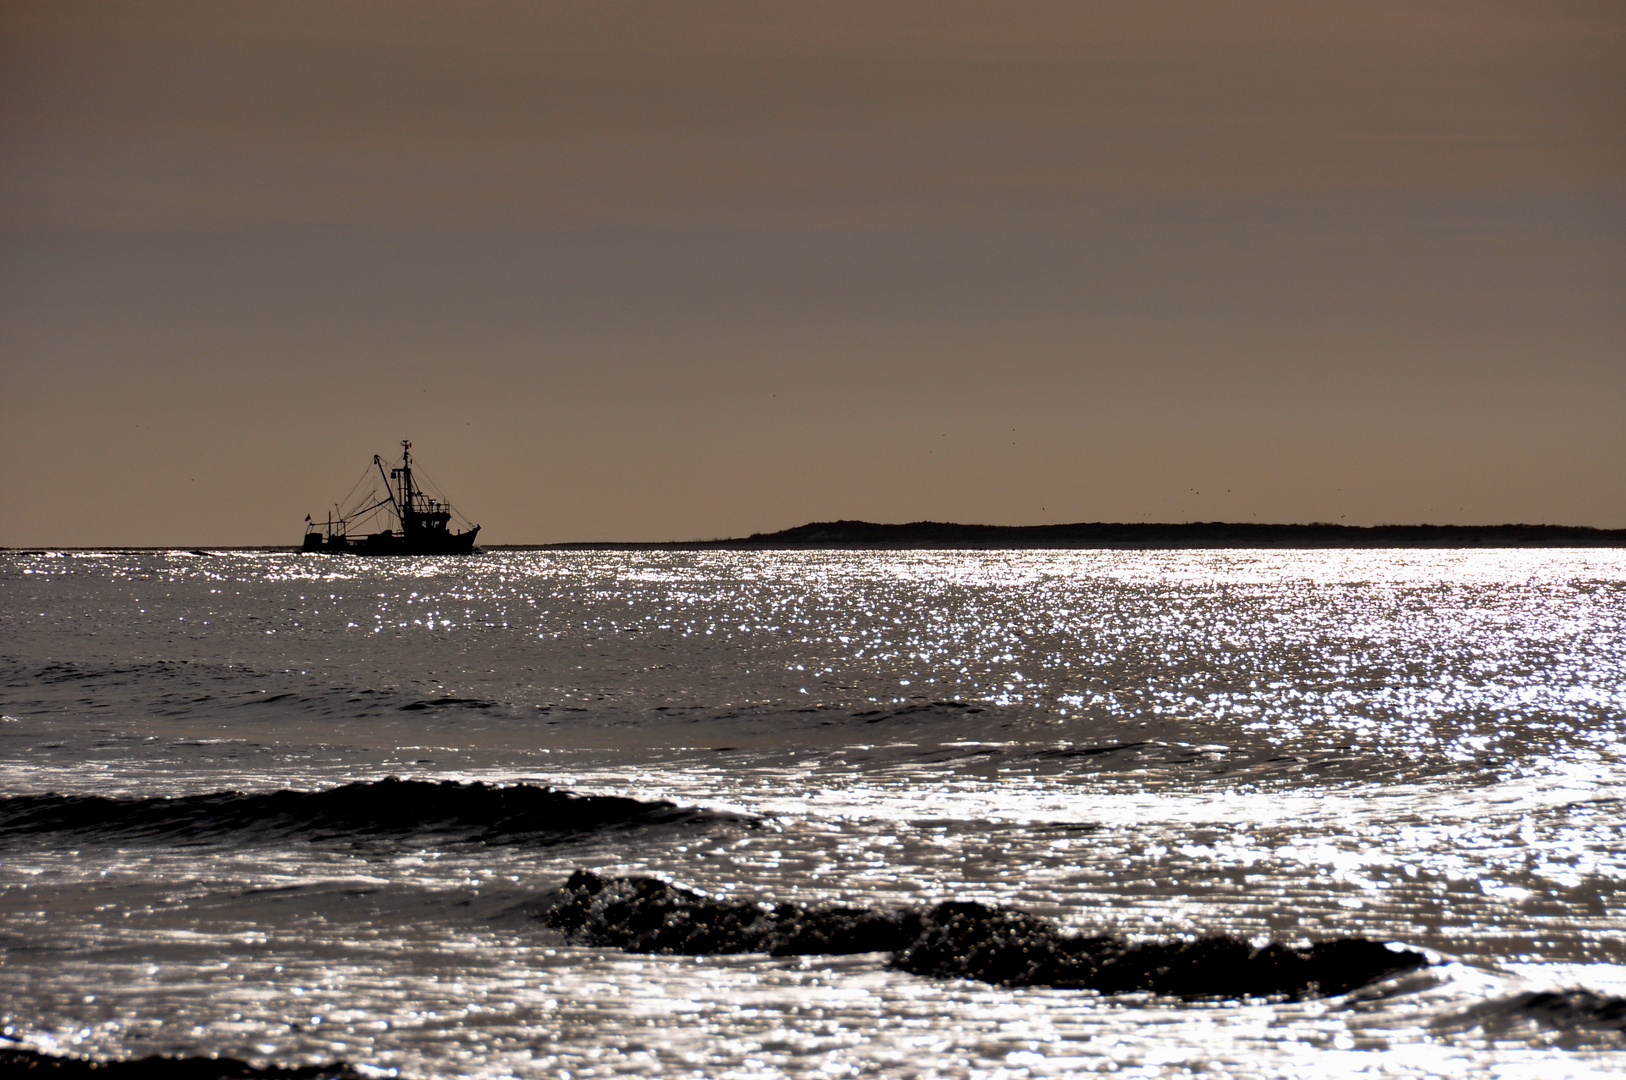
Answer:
x=427 y=542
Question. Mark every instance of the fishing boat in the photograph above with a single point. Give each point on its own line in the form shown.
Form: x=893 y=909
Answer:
x=417 y=522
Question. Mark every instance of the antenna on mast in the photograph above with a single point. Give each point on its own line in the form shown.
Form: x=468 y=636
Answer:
x=408 y=504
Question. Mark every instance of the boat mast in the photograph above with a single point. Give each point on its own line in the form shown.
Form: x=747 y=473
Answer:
x=406 y=482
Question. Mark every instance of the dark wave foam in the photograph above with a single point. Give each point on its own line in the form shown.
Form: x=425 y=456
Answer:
x=447 y=703
x=1575 y=1008
x=958 y=941
x=1572 y=1018
x=14 y=1062
x=518 y=813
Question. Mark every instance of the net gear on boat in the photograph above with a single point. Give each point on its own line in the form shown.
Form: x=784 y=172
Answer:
x=417 y=522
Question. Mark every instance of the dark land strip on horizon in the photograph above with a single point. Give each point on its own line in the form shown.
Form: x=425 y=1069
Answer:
x=940 y=535
x=943 y=535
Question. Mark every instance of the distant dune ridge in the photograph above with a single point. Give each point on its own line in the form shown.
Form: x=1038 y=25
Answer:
x=1206 y=534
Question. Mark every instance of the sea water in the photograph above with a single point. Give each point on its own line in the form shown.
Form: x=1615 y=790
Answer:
x=1422 y=747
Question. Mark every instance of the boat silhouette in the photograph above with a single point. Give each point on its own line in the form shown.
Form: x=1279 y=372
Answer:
x=417 y=523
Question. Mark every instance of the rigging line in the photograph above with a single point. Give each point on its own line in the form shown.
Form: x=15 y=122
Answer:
x=427 y=482
x=369 y=509
x=350 y=499
x=355 y=507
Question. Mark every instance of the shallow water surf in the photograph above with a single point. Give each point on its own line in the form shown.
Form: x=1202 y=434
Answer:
x=203 y=852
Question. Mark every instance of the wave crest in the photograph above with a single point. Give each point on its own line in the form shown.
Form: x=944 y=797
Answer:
x=447 y=810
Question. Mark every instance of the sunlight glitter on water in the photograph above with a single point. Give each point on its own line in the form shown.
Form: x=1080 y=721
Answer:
x=1418 y=746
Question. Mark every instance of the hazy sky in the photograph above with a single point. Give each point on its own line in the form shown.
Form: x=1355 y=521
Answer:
x=666 y=270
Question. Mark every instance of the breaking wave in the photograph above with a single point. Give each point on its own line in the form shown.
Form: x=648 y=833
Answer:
x=448 y=811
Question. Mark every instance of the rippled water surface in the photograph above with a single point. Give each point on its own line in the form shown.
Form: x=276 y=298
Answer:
x=1425 y=747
